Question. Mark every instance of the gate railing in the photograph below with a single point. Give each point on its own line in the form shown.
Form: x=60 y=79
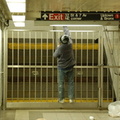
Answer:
x=30 y=69
x=112 y=58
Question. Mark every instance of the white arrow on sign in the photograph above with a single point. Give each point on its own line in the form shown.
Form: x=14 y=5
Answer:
x=45 y=16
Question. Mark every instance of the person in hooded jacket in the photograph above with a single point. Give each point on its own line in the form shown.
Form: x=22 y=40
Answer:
x=65 y=64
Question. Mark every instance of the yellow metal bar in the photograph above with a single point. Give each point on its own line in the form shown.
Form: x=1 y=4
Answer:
x=55 y=100
x=85 y=46
x=30 y=46
x=45 y=46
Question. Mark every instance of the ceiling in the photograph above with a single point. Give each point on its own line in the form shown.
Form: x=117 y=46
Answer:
x=33 y=7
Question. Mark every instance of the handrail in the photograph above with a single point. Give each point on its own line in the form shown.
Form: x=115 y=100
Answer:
x=116 y=72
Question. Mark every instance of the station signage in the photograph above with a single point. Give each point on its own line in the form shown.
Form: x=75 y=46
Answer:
x=79 y=16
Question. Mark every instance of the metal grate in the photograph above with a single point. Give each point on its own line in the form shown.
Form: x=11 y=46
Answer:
x=32 y=70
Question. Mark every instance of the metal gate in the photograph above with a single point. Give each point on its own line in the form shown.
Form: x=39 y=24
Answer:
x=32 y=71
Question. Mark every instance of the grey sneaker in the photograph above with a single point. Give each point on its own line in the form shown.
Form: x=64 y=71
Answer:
x=71 y=101
x=61 y=101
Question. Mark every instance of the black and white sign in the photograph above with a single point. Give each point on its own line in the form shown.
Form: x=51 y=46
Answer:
x=79 y=16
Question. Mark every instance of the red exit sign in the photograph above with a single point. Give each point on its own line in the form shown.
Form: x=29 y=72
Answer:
x=56 y=16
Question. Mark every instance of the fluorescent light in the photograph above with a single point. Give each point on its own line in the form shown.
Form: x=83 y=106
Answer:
x=73 y=30
x=16 y=7
x=18 y=17
x=75 y=25
x=19 y=24
x=16 y=1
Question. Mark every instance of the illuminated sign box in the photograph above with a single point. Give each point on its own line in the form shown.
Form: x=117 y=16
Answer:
x=79 y=16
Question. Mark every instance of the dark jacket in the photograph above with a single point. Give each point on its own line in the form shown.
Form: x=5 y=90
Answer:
x=64 y=53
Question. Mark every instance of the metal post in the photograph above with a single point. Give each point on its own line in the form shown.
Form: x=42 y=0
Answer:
x=81 y=59
x=87 y=65
x=18 y=65
x=12 y=90
x=24 y=65
x=5 y=68
x=29 y=65
x=41 y=73
x=47 y=67
x=35 y=64
x=76 y=62
x=53 y=69
x=100 y=70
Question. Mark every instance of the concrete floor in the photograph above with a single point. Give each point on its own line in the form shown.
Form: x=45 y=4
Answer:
x=55 y=115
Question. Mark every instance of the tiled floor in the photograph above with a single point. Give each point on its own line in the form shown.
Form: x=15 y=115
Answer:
x=55 y=115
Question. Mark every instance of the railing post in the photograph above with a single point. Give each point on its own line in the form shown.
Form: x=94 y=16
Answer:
x=5 y=70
